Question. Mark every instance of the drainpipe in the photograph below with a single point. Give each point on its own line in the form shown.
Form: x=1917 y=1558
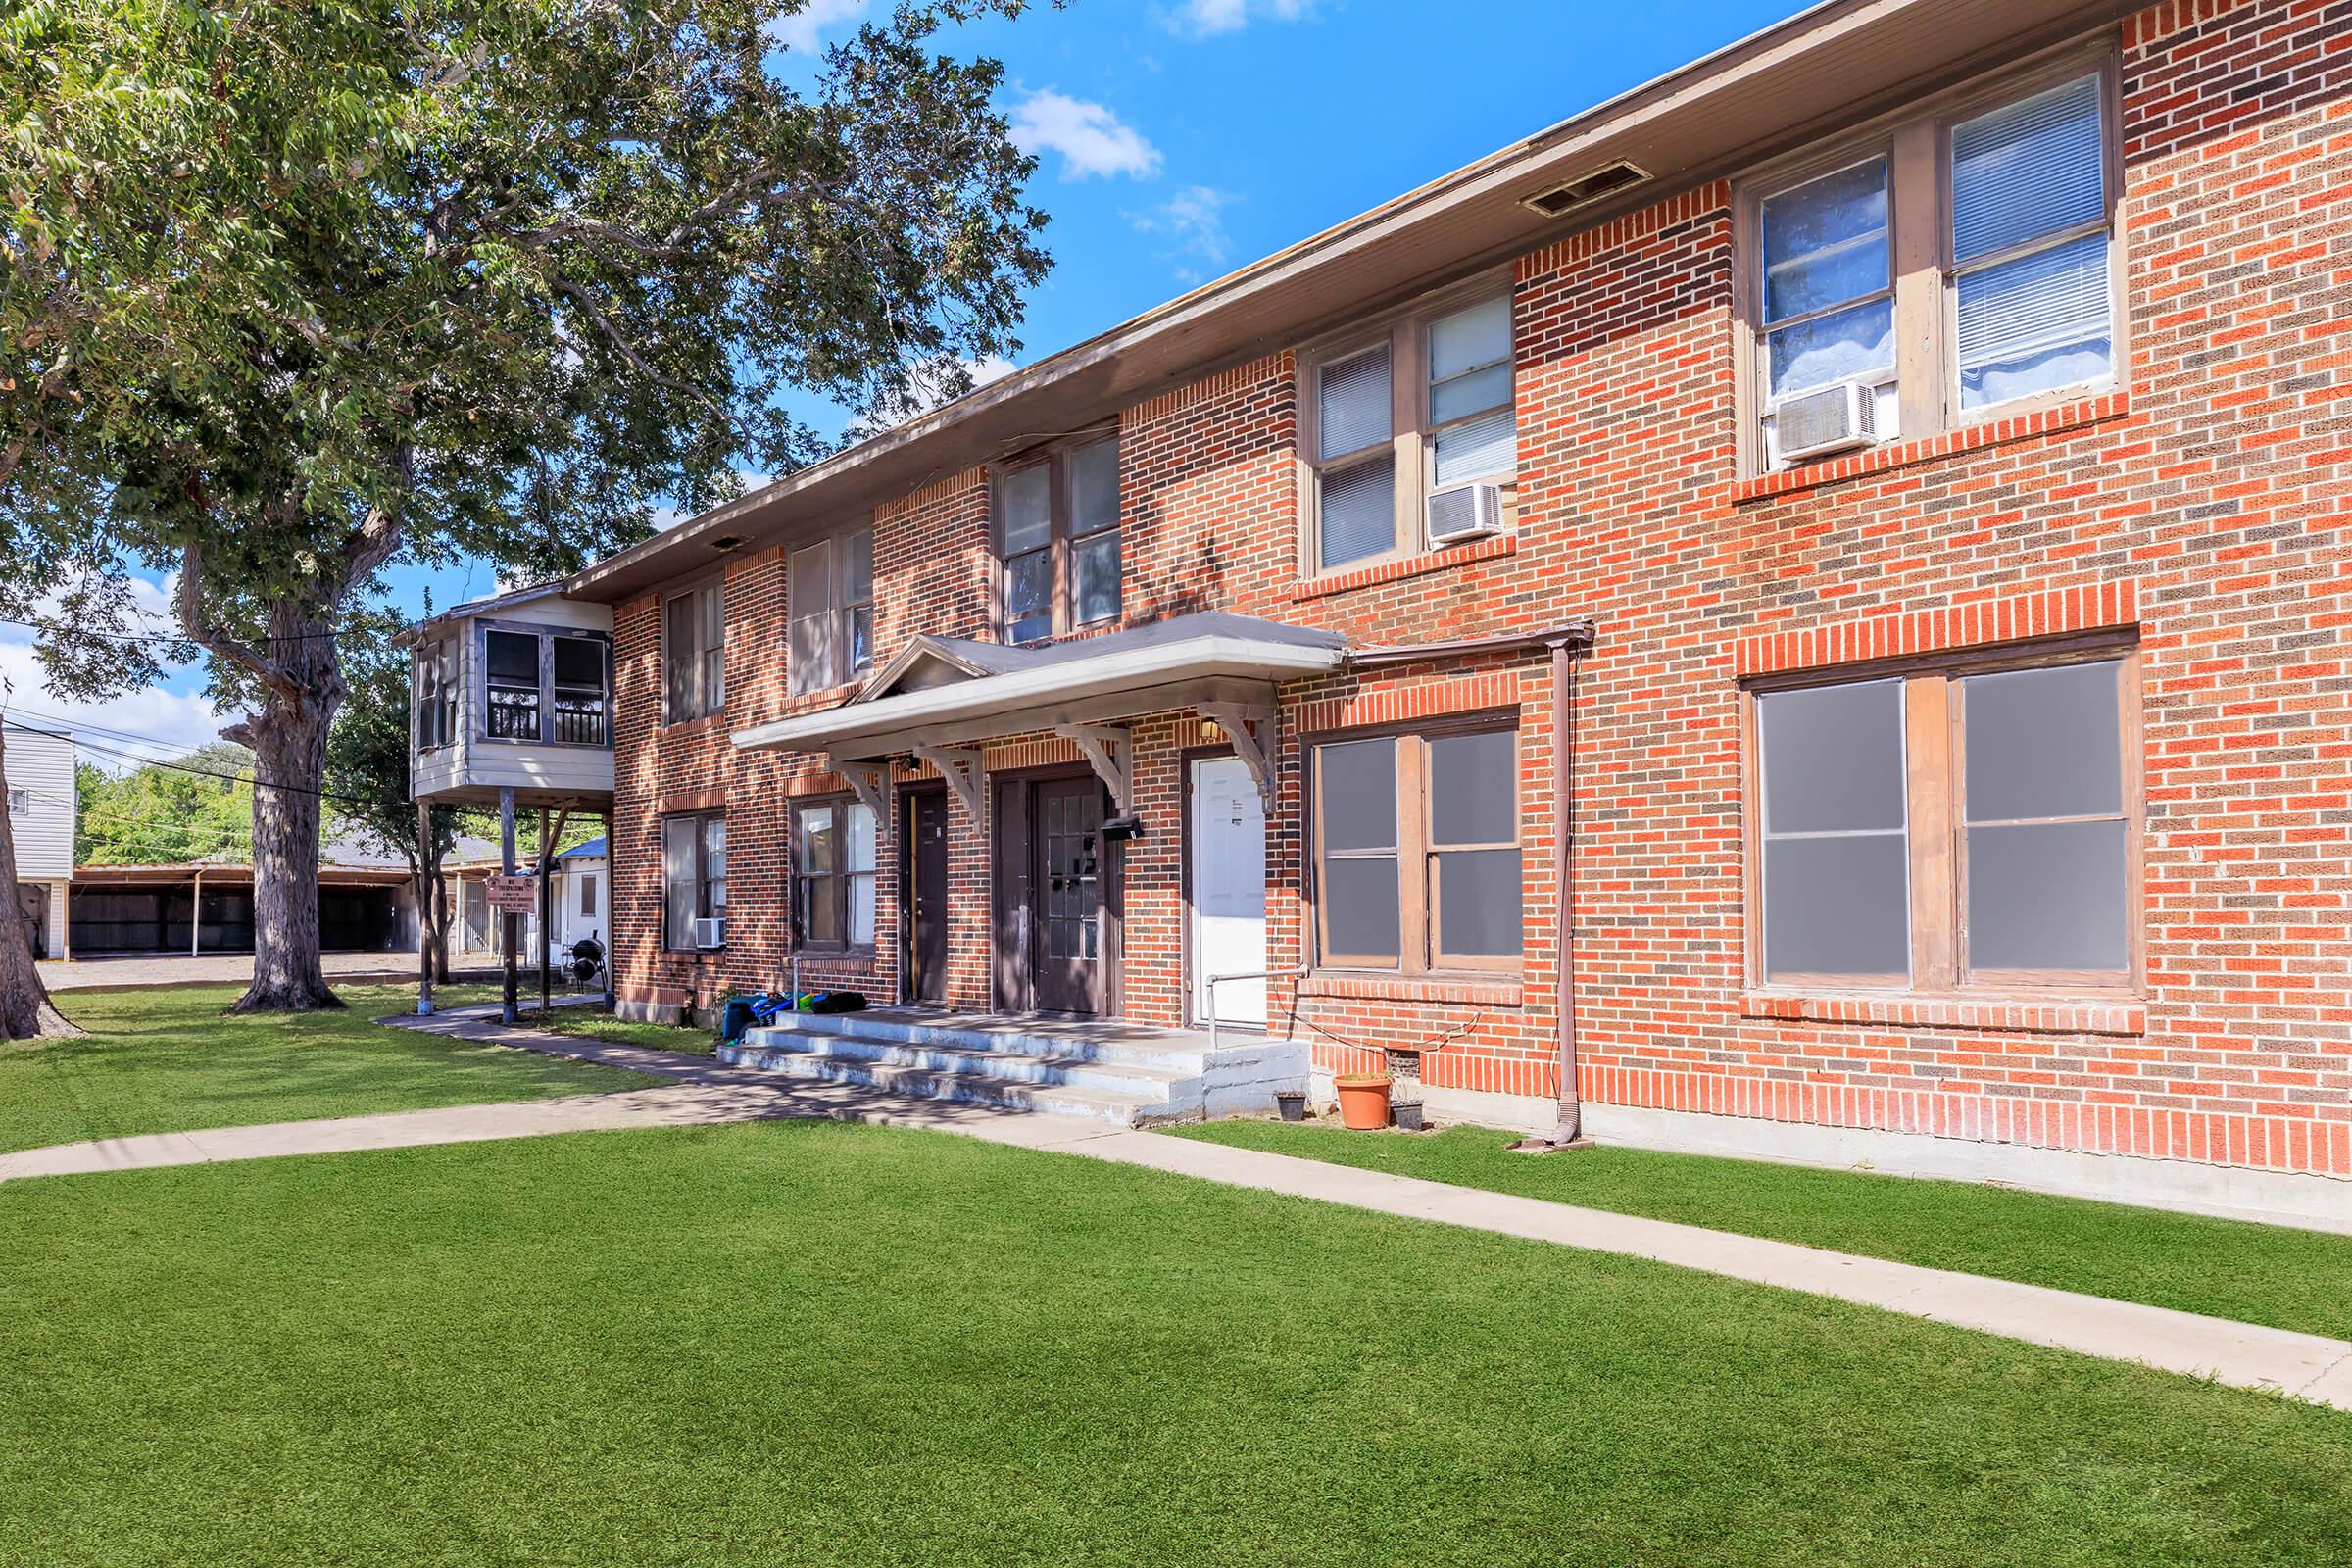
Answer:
x=1563 y=770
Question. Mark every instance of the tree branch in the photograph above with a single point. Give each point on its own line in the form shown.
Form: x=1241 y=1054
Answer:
x=220 y=644
x=580 y=297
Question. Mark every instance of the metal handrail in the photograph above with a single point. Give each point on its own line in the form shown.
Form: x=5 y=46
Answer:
x=1208 y=985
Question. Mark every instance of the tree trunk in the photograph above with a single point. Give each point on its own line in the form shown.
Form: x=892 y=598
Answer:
x=288 y=742
x=26 y=1013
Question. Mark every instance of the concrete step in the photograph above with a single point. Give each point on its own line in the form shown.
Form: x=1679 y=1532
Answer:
x=1119 y=1109
x=1074 y=1071
x=1126 y=1045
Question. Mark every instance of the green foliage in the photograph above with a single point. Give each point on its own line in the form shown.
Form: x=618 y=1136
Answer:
x=304 y=290
x=159 y=815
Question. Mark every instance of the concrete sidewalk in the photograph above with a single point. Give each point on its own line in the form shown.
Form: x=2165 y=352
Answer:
x=701 y=1092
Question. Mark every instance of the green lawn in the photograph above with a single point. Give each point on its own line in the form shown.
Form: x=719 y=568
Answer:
x=597 y=1023
x=2289 y=1279
x=817 y=1343
x=165 y=1059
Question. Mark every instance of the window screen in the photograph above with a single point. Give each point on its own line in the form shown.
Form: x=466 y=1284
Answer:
x=1359 y=898
x=513 y=663
x=1472 y=436
x=1835 y=840
x=2046 y=837
x=580 y=690
x=1474 y=843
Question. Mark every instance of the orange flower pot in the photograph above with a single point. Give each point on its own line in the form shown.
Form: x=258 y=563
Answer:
x=1364 y=1101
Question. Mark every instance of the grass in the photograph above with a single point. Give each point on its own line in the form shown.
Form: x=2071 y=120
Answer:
x=812 y=1343
x=2289 y=1279
x=165 y=1059
x=599 y=1023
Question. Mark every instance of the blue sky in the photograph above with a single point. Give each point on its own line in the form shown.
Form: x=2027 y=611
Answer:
x=1182 y=139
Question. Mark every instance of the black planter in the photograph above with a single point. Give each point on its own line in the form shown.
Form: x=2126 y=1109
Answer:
x=1292 y=1103
x=1407 y=1113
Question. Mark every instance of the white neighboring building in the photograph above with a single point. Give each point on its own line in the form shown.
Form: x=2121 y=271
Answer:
x=583 y=893
x=41 y=809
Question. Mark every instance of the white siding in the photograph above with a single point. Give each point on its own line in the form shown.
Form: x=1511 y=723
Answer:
x=41 y=779
x=471 y=764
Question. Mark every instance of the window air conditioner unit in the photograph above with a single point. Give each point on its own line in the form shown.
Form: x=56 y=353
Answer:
x=1831 y=418
x=1466 y=512
x=711 y=931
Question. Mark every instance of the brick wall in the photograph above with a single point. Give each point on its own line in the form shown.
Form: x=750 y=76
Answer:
x=2203 y=503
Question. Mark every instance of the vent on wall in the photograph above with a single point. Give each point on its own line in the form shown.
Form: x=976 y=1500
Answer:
x=1586 y=188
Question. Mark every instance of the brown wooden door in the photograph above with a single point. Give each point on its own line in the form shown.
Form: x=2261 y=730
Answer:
x=1068 y=886
x=926 y=818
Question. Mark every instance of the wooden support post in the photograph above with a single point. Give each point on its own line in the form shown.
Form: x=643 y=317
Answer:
x=611 y=904
x=547 y=906
x=510 y=924
x=196 y=915
x=424 y=909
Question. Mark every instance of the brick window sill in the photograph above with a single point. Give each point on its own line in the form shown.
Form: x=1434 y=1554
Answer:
x=685 y=728
x=1482 y=991
x=1340 y=582
x=1927 y=449
x=814 y=701
x=1911 y=1011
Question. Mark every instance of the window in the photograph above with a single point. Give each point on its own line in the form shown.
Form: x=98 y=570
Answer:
x=20 y=802
x=831 y=584
x=694 y=875
x=833 y=874
x=435 y=687
x=588 y=893
x=694 y=648
x=541 y=685
x=1971 y=824
x=1421 y=407
x=1951 y=263
x=1417 y=855
x=1058 y=536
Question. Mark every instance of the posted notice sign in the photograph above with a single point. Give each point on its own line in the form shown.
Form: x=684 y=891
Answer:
x=514 y=895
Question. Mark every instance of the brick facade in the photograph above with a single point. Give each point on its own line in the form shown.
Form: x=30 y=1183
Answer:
x=2202 y=507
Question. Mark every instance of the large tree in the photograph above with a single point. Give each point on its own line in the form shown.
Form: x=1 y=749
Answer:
x=293 y=293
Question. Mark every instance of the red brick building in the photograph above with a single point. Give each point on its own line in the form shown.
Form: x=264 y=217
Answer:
x=1893 y=476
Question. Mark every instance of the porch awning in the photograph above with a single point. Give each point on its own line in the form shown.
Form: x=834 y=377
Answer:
x=951 y=691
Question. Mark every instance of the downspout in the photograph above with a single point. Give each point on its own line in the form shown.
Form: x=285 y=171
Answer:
x=1563 y=767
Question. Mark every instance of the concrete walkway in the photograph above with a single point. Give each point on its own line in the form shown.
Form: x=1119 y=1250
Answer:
x=700 y=1093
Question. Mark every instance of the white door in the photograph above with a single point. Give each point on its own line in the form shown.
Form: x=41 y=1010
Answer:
x=1229 y=889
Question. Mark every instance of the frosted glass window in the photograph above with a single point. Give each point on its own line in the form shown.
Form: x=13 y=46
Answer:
x=1353 y=407
x=2048 y=838
x=680 y=891
x=1852 y=344
x=1029 y=597
x=1834 y=758
x=1361 y=909
x=1360 y=794
x=1474 y=788
x=2043 y=743
x=1356 y=515
x=1835 y=840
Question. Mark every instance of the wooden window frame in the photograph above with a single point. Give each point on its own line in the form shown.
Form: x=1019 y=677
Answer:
x=703 y=704
x=439 y=655
x=703 y=907
x=1934 y=771
x=1412 y=438
x=841 y=880
x=1915 y=143
x=840 y=608
x=1062 y=536
x=1420 y=950
x=478 y=688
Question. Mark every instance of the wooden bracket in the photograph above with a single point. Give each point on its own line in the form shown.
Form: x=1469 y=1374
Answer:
x=961 y=768
x=1111 y=752
x=867 y=781
x=1254 y=741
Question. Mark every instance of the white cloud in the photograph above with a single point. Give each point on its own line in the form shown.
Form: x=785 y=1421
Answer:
x=1194 y=219
x=166 y=723
x=798 y=30
x=1091 y=139
x=1200 y=19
